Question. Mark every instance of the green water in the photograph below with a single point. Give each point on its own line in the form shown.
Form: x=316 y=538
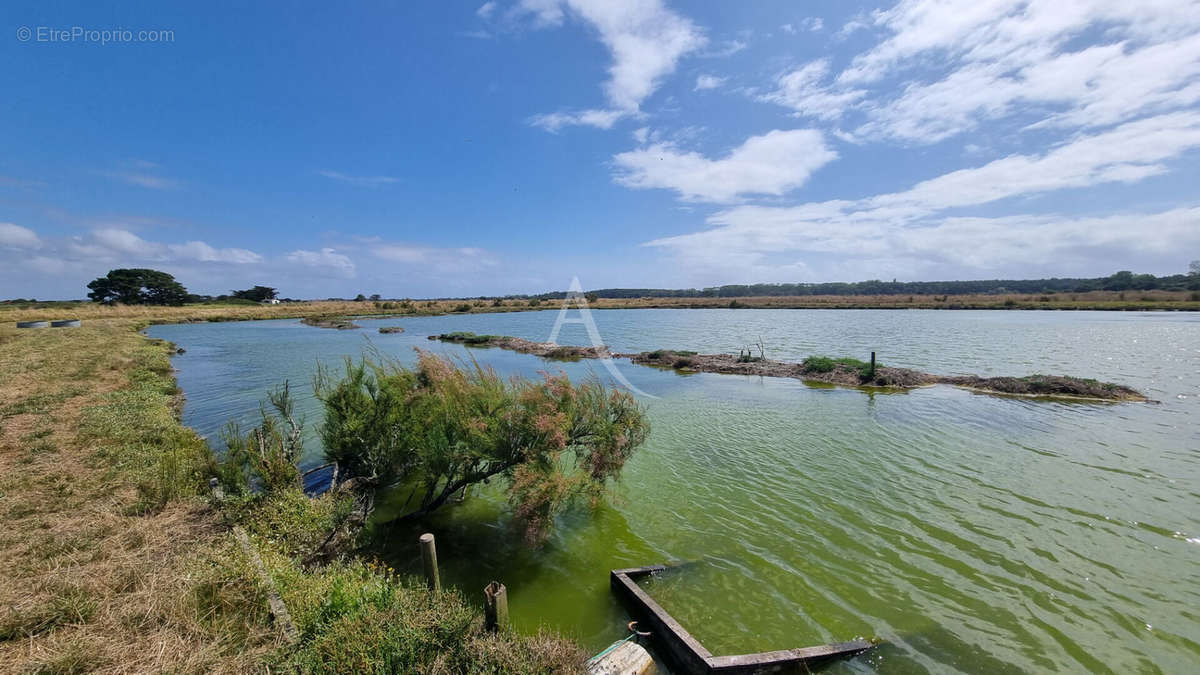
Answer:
x=973 y=533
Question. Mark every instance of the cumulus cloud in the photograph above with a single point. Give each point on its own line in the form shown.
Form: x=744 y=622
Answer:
x=705 y=82
x=15 y=236
x=771 y=164
x=326 y=262
x=907 y=230
x=964 y=62
x=643 y=37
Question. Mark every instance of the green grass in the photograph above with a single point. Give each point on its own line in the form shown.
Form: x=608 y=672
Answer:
x=825 y=364
x=467 y=338
x=137 y=433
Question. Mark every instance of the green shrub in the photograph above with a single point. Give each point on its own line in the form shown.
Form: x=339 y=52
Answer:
x=448 y=428
x=462 y=307
x=268 y=456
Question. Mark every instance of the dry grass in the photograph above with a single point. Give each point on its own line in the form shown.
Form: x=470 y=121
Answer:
x=86 y=584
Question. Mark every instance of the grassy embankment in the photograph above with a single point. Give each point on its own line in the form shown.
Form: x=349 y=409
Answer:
x=112 y=556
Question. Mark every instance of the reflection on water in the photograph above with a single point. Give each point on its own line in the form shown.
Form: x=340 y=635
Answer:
x=974 y=533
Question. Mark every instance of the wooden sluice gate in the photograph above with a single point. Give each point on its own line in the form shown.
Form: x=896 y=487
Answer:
x=685 y=653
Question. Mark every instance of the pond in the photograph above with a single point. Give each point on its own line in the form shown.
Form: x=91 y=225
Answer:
x=974 y=533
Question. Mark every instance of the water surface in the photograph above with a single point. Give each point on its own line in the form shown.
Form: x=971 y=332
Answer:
x=974 y=533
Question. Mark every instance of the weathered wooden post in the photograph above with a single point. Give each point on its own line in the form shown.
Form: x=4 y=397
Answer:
x=872 y=365
x=495 y=606
x=429 y=562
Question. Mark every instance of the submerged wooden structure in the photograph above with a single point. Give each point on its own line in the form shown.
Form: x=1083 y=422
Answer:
x=689 y=656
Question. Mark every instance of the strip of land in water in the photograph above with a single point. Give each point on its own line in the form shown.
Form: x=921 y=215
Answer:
x=839 y=371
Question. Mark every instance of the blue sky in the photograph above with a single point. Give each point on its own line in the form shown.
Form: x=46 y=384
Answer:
x=425 y=148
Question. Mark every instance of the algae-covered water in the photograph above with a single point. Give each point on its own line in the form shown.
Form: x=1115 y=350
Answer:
x=974 y=533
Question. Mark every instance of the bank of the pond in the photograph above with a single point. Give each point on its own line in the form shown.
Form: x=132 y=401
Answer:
x=115 y=558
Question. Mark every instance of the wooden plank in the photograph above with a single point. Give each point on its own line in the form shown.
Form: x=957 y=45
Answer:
x=807 y=657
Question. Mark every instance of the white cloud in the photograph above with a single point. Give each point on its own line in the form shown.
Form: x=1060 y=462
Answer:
x=115 y=243
x=16 y=236
x=485 y=10
x=903 y=231
x=645 y=39
x=1127 y=153
x=601 y=119
x=125 y=242
x=963 y=62
x=996 y=58
x=361 y=181
x=433 y=259
x=812 y=24
x=774 y=242
x=727 y=48
x=802 y=90
x=546 y=13
x=326 y=261
x=705 y=82
x=202 y=252
x=145 y=180
x=772 y=164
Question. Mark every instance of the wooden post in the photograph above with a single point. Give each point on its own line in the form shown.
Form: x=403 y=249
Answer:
x=872 y=364
x=429 y=562
x=495 y=606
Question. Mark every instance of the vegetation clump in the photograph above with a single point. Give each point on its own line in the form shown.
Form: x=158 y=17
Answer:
x=335 y=322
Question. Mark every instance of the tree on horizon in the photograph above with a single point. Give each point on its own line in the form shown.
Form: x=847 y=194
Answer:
x=137 y=286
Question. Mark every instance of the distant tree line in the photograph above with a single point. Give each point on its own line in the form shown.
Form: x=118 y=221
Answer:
x=1121 y=281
